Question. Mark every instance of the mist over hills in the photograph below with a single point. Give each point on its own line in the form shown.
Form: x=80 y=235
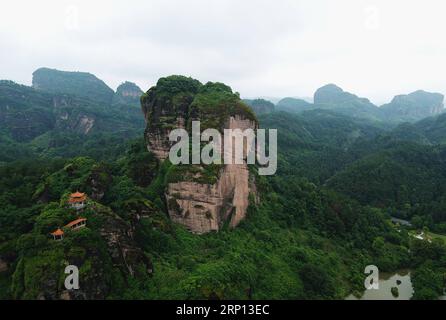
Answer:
x=345 y=167
x=411 y=107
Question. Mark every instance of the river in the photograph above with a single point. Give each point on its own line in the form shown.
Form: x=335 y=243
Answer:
x=387 y=281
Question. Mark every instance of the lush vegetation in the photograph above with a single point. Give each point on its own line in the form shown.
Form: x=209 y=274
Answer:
x=260 y=106
x=41 y=124
x=403 y=108
x=80 y=84
x=321 y=219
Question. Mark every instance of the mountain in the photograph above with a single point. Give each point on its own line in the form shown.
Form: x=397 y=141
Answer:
x=24 y=112
x=27 y=113
x=428 y=131
x=105 y=250
x=132 y=247
x=201 y=197
x=50 y=123
x=404 y=174
x=127 y=93
x=318 y=143
x=433 y=128
x=80 y=84
x=415 y=106
x=293 y=105
x=403 y=108
x=333 y=97
x=402 y=169
x=260 y=106
x=155 y=230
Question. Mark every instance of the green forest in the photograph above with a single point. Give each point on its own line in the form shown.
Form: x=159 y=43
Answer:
x=317 y=223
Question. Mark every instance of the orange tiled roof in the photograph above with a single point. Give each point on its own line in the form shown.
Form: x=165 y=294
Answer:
x=58 y=232
x=77 y=197
x=72 y=223
x=77 y=194
x=76 y=200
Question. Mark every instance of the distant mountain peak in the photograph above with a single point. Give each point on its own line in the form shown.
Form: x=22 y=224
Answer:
x=332 y=87
x=81 y=84
x=260 y=106
x=415 y=106
x=128 y=88
x=127 y=93
x=332 y=93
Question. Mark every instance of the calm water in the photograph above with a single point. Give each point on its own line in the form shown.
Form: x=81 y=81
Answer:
x=386 y=282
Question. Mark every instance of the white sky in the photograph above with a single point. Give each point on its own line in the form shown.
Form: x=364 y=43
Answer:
x=375 y=49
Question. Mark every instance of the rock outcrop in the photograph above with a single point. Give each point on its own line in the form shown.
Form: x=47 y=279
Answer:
x=199 y=200
x=3 y=265
x=124 y=253
x=415 y=106
x=206 y=207
x=103 y=251
x=127 y=93
x=334 y=98
x=24 y=112
x=27 y=113
x=165 y=108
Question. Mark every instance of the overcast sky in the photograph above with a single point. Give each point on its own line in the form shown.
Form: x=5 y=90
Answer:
x=375 y=49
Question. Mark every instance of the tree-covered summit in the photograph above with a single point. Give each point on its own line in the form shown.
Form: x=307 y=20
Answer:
x=81 y=84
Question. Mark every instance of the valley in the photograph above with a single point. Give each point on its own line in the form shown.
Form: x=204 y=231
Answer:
x=155 y=230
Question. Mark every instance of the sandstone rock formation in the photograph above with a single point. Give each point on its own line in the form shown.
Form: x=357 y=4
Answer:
x=3 y=265
x=334 y=98
x=415 y=106
x=124 y=253
x=127 y=93
x=197 y=199
x=104 y=250
x=27 y=113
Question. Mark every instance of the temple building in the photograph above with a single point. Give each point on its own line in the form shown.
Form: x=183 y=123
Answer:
x=76 y=224
x=58 y=234
x=73 y=225
x=77 y=200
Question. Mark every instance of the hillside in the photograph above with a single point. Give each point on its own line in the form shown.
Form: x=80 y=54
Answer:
x=306 y=232
x=414 y=106
x=81 y=84
x=403 y=108
x=260 y=106
x=53 y=122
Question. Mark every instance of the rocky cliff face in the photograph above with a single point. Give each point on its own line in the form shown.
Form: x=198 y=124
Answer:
x=124 y=253
x=3 y=265
x=27 y=113
x=205 y=207
x=127 y=93
x=166 y=107
x=197 y=199
x=334 y=98
x=105 y=250
x=24 y=112
x=415 y=106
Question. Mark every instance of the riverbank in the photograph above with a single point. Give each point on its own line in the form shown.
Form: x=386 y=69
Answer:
x=400 y=280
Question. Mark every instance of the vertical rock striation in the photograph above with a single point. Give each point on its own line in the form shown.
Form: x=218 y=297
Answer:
x=202 y=198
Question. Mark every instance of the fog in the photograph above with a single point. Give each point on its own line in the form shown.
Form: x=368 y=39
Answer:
x=375 y=49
